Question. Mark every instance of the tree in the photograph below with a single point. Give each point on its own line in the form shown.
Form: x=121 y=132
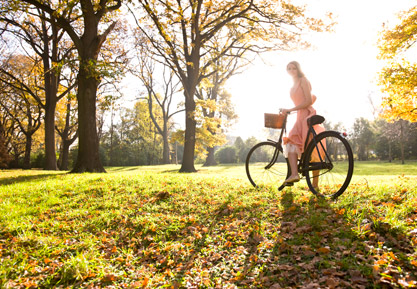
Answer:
x=362 y=138
x=20 y=103
x=217 y=108
x=5 y=158
x=47 y=40
x=17 y=143
x=209 y=125
x=88 y=39
x=67 y=128
x=181 y=33
x=159 y=95
x=143 y=132
x=214 y=104
x=226 y=155
x=8 y=132
x=399 y=78
x=218 y=112
x=241 y=149
x=134 y=140
x=393 y=138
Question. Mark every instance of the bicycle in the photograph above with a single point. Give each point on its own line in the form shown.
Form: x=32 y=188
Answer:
x=326 y=163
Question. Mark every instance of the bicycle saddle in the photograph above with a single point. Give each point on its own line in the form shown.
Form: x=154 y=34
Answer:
x=315 y=119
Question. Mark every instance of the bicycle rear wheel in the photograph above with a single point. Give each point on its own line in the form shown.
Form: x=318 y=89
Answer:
x=330 y=175
x=266 y=165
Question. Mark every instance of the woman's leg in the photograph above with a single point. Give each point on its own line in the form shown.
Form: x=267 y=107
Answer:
x=293 y=158
x=316 y=179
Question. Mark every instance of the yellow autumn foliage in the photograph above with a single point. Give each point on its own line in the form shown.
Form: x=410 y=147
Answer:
x=398 y=79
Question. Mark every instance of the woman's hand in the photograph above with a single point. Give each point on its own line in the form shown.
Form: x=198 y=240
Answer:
x=284 y=110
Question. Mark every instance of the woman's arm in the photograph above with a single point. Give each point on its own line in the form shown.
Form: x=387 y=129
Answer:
x=308 y=99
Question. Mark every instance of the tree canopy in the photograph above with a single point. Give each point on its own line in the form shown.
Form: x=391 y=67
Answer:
x=399 y=77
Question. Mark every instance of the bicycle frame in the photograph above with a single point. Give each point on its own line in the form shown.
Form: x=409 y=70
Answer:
x=314 y=166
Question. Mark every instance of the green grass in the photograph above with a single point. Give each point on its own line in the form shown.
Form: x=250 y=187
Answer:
x=152 y=227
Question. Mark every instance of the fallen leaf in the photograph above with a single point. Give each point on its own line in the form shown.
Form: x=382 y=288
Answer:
x=332 y=283
x=109 y=278
x=324 y=250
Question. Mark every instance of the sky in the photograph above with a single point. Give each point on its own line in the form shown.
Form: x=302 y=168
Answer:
x=342 y=68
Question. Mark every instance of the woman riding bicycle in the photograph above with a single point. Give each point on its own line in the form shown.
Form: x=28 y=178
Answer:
x=303 y=99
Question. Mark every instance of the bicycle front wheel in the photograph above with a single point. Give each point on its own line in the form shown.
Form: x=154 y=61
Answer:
x=266 y=165
x=328 y=166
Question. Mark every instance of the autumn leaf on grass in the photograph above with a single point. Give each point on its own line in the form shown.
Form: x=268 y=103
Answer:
x=109 y=278
x=140 y=284
x=292 y=208
x=47 y=261
x=341 y=211
x=397 y=199
x=332 y=282
x=324 y=250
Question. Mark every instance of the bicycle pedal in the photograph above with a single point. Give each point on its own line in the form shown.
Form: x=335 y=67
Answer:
x=289 y=184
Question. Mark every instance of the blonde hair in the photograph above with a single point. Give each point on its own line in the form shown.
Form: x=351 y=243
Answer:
x=297 y=65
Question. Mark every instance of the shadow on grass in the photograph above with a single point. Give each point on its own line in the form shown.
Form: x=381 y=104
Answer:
x=171 y=171
x=315 y=248
x=122 y=169
x=220 y=218
x=28 y=178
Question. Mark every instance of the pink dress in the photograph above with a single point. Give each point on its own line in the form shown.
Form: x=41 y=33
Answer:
x=297 y=136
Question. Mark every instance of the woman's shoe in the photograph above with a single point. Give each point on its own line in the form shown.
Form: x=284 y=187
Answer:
x=292 y=180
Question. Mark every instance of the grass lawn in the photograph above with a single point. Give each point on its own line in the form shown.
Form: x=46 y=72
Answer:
x=152 y=227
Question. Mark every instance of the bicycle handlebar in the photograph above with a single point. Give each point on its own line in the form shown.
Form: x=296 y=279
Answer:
x=288 y=112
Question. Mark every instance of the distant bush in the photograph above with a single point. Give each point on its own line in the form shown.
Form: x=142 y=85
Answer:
x=38 y=160
x=226 y=155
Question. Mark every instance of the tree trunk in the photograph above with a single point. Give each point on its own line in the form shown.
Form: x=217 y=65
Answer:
x=166 y=150
x=4 y=154
x=28 y=148
x=210 y=161
x=402 y=142
x=402 y=152
x=64 y=156
x=88 y=159
x=111 y=138
x=175 y=155
x=366 y=153
x=50 y=156
x=14 y=164
x=187 y=165
x=389 y=152
x=51 y=89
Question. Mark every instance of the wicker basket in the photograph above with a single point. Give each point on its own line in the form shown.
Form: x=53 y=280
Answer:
x=273 y=120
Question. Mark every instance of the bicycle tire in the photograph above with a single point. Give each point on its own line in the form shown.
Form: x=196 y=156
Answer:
x=335 y=171
x=263 y=167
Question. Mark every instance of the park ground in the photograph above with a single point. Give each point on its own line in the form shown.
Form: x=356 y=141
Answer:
x=152 y=227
